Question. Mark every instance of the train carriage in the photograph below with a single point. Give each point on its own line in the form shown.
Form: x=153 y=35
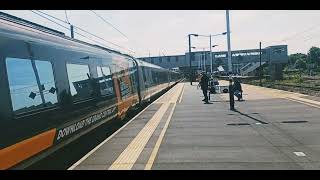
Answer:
x=55 y=89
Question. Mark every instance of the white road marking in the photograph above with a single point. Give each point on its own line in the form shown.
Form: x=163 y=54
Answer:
x=299 y=153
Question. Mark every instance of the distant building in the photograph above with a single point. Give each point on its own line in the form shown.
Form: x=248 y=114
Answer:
x=245 y=62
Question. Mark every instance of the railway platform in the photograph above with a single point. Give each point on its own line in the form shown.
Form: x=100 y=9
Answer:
x=270 y=129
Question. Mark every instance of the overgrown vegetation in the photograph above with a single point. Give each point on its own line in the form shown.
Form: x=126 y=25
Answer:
x=308 y=64
x=294 y=82
x=301 y=74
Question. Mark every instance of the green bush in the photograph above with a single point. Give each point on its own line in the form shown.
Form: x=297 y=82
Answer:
x=299 y=80
x=316 y=69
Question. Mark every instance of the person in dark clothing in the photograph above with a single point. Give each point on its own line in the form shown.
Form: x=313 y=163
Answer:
x=212 y=86
x=204 y=86
x=237 y=89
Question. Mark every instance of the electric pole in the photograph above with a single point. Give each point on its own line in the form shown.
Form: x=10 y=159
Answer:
x=204 y=60
x=211 y=56
x=228 y=39
x=71 y=29
x=260 y=74
x=190 y=71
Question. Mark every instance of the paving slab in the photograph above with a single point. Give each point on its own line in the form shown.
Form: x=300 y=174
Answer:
x=232 y=166
x=192 y=135
x=199 y=136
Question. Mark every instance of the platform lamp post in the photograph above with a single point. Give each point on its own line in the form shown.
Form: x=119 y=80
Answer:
x=204 y=57
x=199 y=65
x=203 y=64
x=210 y=37
x=190 y=55
x=224 y=33
x=211 y=59
x=231 y=98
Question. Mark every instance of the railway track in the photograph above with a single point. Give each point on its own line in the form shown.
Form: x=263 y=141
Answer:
x=313 y=88
x=308 y=90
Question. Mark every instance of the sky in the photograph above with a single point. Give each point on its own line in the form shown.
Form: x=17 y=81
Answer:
x=164 y=32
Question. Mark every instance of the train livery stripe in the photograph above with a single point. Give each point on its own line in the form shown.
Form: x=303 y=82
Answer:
x=16 y=153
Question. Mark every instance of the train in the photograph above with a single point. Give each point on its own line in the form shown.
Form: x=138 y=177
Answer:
x=54 y=89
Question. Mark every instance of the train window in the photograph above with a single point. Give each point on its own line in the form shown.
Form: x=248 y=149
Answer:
x=105 y=81
x=149 y=76
x=104 y=71
x=154 y=76
x=144 y=75
x=133 y=75
x=79 y=81
x=32 y=85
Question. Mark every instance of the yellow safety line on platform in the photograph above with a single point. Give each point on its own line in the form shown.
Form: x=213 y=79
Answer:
x=159 y=141
x=181 y=94
x=130 y=155
x=110 y=137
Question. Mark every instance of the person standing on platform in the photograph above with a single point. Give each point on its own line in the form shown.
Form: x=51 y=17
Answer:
x=199 y=79
x=212 y=86
x=237 y=89
x=204 y=86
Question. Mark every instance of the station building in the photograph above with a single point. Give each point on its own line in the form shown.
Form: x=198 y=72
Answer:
x=244 y=62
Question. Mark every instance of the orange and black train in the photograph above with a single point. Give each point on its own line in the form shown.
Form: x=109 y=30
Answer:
x=53 y=89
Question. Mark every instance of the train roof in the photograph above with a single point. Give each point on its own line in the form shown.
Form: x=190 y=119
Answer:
x=22 y=30
x=144 y=63
x=17 y=28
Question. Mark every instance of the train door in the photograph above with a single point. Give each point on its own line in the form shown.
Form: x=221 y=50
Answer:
x=169 y=78
x=124 y=90
x=149 y=82
x=133 y=74
x=145 y=82
x=140 y=86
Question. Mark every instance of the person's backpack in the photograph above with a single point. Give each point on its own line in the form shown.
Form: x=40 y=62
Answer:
x=225 y=90
x=238 y=94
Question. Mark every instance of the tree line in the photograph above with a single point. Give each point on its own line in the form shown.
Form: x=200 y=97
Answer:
x=309 y=61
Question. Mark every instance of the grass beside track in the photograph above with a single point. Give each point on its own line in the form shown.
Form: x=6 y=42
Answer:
x=304 y=85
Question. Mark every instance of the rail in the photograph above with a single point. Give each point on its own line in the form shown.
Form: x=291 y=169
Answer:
x=299 y=86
